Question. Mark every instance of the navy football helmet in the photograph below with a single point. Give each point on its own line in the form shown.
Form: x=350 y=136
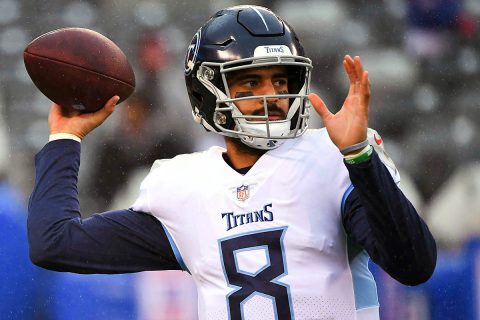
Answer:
x=239 y=38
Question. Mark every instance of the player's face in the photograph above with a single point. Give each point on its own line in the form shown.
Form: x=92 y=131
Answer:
x=260 y=81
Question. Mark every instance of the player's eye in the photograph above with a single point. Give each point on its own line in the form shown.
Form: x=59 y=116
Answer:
x=250 y=83
x=280 y=82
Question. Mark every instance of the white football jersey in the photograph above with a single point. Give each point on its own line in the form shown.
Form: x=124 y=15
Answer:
x=268 y=244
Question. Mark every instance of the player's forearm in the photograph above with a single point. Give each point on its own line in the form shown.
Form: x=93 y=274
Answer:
x=53 y=201
x=395 y=236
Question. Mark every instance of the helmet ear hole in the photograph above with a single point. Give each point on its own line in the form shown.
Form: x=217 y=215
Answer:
x=198 y=96
x=228 y=122
x=296 y=79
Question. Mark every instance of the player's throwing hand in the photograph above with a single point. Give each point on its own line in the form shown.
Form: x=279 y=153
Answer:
x=76 y=123
x=349 y=125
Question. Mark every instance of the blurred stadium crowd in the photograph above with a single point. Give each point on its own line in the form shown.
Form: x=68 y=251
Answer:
x=423 y=58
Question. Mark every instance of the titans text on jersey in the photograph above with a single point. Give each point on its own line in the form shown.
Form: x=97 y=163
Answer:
x=234 y=220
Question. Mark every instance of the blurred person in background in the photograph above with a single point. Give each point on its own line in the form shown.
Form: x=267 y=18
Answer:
x=454 y=212
x=235 y=217
x=134 y=141
x=136 y=137
x=166 y=295
x=21 y=290
x=153 y=59
x=432 y=26
x=439 y=34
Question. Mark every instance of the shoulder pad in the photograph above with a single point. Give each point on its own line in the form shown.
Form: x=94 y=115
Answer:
x=376 y=142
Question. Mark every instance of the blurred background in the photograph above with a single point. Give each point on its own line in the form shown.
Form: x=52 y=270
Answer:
x=423 y=57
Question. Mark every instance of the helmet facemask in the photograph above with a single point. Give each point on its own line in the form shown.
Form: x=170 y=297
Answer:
x=257 y=131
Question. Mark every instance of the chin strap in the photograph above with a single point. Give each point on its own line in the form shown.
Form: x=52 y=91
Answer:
x=276 y=130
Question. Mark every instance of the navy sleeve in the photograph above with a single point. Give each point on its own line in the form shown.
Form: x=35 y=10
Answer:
x=379 y=217
x=112 y=242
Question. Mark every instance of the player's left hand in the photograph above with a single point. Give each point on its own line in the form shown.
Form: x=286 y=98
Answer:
x=349 y=125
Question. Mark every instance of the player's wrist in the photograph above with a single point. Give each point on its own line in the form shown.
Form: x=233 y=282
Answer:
x=361 y=156
x=354 y=149
x=63 y=135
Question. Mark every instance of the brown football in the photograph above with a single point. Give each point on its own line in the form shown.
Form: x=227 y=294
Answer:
x=78 y=68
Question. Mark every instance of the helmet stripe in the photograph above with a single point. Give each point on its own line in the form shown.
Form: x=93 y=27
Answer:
x=261 y=17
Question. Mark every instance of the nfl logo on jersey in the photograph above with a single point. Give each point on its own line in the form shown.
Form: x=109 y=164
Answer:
x=242 y=193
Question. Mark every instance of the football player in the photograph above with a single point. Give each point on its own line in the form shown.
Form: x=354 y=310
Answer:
x=281 y=223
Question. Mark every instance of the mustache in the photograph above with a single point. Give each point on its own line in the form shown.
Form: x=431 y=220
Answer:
x=272 y=109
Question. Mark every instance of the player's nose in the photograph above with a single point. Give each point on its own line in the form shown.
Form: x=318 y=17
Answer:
x=268 y=89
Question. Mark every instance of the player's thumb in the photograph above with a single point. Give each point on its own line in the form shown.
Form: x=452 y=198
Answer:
x=320 y=107
x=107 y=109
x=111 y=103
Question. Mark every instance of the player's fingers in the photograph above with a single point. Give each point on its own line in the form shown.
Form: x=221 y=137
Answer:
x=365 y=84
x=111 y=103
x=349 y=59
x=55 y=108
x=320 y=107
x=358 y=67
x=107 y=109
x=356 y=75
x=57 y=111
x=349 y=69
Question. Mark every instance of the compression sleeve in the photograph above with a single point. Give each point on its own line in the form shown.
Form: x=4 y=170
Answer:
x=379 y=217
x=111 y=242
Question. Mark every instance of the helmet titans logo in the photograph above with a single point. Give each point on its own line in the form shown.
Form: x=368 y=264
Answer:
x=270 y=49
x=192 y=52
